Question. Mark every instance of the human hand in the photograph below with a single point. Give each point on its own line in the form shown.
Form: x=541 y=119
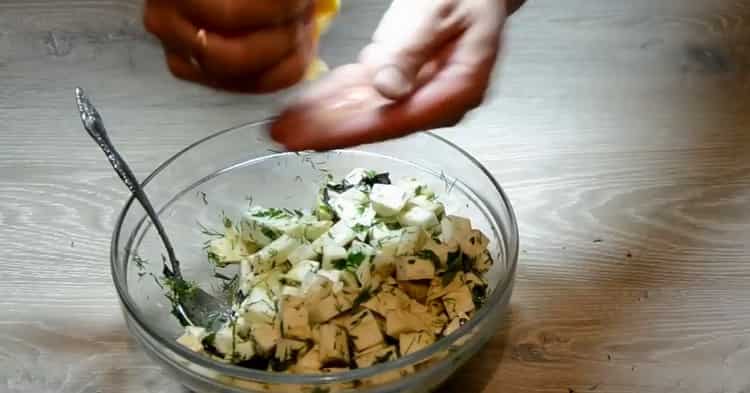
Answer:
x=405 y=80
x=238 y=45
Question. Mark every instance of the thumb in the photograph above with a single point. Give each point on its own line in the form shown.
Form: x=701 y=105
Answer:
x=396 y=56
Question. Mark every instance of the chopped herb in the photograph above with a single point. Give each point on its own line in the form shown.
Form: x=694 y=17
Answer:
x=269 y=233
x=339 y=187
x=203 y=197
x=362 y=297
x=380 y=178
x=479 y=295
x=208 y=231
x=431 y=256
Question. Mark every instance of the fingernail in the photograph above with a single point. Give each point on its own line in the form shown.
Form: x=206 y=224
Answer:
x=392 y=83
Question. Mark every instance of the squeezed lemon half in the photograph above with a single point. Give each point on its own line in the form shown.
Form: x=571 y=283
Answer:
x=325 y=12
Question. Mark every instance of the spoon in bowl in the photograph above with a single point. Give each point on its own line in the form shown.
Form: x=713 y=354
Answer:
x=191 y=304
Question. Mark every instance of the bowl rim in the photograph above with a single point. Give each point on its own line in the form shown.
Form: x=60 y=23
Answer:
x=261 y=376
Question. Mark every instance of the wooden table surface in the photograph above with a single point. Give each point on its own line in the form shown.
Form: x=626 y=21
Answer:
x=620 y=130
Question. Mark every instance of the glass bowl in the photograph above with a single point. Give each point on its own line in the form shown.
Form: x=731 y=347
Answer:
x=224 y=173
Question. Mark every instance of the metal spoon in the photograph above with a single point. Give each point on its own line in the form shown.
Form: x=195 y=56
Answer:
x=198 y=308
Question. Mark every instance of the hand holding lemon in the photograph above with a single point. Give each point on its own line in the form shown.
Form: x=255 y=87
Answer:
x=248 y=46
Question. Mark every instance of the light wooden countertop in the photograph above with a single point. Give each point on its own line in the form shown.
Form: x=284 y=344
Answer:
x=619 y=129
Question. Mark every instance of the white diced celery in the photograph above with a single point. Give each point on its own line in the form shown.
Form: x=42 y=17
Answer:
x=258 y=306
x=225 y=250
x=315 y=229
x=353 y=207
x=302 y=253
x=340 y=234
x=474 y=244
x=415 y=216
x=428 y=203
x=301 y=270
x=414 y=268
x=331 y=274
x=333 y=253
x=411 y=186
x=275 y=253
x=388 y=200
x=262 y=225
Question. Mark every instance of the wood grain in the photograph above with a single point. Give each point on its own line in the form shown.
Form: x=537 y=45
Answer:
x=619 y=130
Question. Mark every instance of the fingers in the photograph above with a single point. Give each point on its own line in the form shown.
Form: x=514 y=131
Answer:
x=398 y=59
x=175 y=32
x=229 y=15
x=250 y=53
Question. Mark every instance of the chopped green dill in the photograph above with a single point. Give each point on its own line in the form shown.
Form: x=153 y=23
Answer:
x=362 y=297
x=215 y=259
x=431 y=256
x=139 y=261
x=208 y=231
x=479 y=295
x=202 y=195
x=269 y=233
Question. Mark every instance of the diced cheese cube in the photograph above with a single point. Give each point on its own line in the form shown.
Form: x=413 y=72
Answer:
x=304 y=252
x=349 y=280
x=364 y=273
x=244 y=350
x=333 y=253
x=439 y=250
x=411 y=241
x=258 y=306
x=375 y=355
x=483 y=262
x=224 y=341
x=458 y=302
x=414 y=268
x=428 y=203
x=334 y=347
x=388 y=200
x=400 y=321
x=265 y=336
x=437 y=290
x=301 y=270
x=474 y=244
x=380 y=234
x=326 y=308
x=436 y=322
x=416 y=290
x=333 y=275
x=387 y=300
x=454 y=229
x=288 y=290
x=193 y=338
x=309 y=362
x=294 y=318
x=455 y=323
x=364 y=330
x=409 y=343
x=361 y=248
x=262 y=226
x=287 y=349
x=472 y=280
x=415 y=216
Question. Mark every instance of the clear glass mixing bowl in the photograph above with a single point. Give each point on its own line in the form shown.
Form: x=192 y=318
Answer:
x=230 y=169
